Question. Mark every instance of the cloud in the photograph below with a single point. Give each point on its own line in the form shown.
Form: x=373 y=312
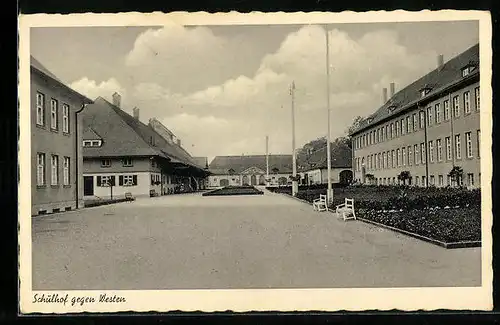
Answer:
x=105 y=89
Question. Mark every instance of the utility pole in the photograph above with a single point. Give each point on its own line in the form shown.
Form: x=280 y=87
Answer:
x=295 y=186
x=329 y=193
x=267 y=160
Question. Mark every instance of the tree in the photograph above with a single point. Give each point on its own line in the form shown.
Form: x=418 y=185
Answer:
x=355 y=125
x=370 y=178
x=275 y=170
x=404 y=176
x=456 y=174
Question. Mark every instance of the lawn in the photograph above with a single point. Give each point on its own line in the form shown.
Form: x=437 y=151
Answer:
x=444 y=214
x=234 y=190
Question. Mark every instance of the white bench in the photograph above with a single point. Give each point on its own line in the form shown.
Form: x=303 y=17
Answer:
x=346 y=209
x=320 y=204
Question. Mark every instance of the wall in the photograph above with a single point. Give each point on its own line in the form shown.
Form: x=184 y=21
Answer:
x=236 y=180
x=320 y=176
x=141 y=189
x=45 y=140
x=459 y=125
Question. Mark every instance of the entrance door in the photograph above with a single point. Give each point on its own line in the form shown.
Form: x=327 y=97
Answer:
x=224 y=182
x=253 y=180
x=245 y=180
x=88 y=185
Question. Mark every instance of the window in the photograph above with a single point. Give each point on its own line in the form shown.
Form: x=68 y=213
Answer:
x=431 y=151
x=105 y=181
x=403 y=153
x=53 y=114
x=40 y=171
x=403 y=128
x=417 y=156
x=417 y=181
x=87 y=143
x=470 y=179
x=476 y=97
x=439 y=148
x=364 y=140
x=466 y=102
x=65 y=118
x=432 y=181
x=408 y=124
x=446 y=105
x=128 y=180
x=66 y=171
x=379 y=161
x=429 y=115
x=422 y=153
x=458 y=151
x=424 y=181
x=415 y=122
x=387 y=132
x=440 y=180
x=393 y=157
x=398 y=158
x=384 y=160
x=54 y=173
x=422 y=119
x=447 y=141
x=381 y=134
x=96 y=143
x=465 y=72
x=437 y=113
x=456 y=106
x=377 y=139
x=127 y=162
x=392 y=130
x=40 y=109
x=478 y=143
x=410 y=157
x=105 y=163
x=468 y=144
x=448 y=180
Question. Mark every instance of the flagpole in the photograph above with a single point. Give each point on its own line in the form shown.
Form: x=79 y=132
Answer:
x=267 y=160
x=294 y=157
x=329 y=193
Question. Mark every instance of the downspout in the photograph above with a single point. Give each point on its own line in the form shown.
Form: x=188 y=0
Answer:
x=452 y=137
x=77 y=146
x=426 y=149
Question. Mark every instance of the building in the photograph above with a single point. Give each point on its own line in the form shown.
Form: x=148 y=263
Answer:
x=427 y=129
x=249 y=170
x=314 y=169
x=122 y=155
x=56 y=154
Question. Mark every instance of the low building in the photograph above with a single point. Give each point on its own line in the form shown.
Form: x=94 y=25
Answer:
x=427 y=129
x=56 y=154
x=314 y=169
x=124 y=155
x=249 y=170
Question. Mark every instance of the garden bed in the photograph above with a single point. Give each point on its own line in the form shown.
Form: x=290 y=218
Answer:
x=234 y=190
x=450 y=217
x=96 y=203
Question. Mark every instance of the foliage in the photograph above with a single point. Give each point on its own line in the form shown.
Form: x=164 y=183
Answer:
x=234 y=190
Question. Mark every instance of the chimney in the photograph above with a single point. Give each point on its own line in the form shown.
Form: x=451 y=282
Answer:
x=117 y=98
x=179 y=142
x=440 y=61
x=136 y=113
x=392 y=89
x=384 y=96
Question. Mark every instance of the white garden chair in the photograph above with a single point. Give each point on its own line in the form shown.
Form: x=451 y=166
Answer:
x=320 y=204
x=346 y=209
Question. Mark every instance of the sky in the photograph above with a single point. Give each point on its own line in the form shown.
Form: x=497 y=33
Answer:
x=222 y=89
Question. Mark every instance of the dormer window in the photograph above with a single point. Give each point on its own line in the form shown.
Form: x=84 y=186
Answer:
x=92 y=143
x=425 y=91
x=369 y=120
x=465 y=71
x=391 y=108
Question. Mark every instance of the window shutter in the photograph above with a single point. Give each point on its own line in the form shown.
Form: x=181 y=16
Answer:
x=120 y=180
x=134 y=179
x=99 y=181
x=112 y=182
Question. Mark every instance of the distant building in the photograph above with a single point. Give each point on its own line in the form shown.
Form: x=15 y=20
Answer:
x=249 y=170
x=427 y=128
x=314 y=169
x=56 y=154
x=121 y=151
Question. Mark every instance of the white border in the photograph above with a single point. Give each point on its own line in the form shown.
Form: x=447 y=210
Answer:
x=411 y=299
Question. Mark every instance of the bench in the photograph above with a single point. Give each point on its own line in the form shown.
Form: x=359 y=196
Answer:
x=320 y=204
x=346 y=209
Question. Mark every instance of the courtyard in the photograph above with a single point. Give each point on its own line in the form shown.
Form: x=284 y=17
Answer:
x=236 y=242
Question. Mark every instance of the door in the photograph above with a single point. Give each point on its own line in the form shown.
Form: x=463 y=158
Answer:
x=245 y=180
x=253 y=180
x=224 y=182
x=88 y=185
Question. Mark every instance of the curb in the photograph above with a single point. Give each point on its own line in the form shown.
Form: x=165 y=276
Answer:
x=462 y=244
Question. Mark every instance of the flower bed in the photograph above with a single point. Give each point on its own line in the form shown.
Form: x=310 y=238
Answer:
x=96 y=203
x=234 y=190
x=446 y=225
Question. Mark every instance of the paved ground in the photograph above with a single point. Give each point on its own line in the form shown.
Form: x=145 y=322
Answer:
x=266 y=241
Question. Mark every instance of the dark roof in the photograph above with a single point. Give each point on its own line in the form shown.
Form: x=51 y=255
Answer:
x=437 y=81
x=90 y=134
x=124 y=135
x=201 y=161
x=341 y=157
x=221 y=165
x=34 y=63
